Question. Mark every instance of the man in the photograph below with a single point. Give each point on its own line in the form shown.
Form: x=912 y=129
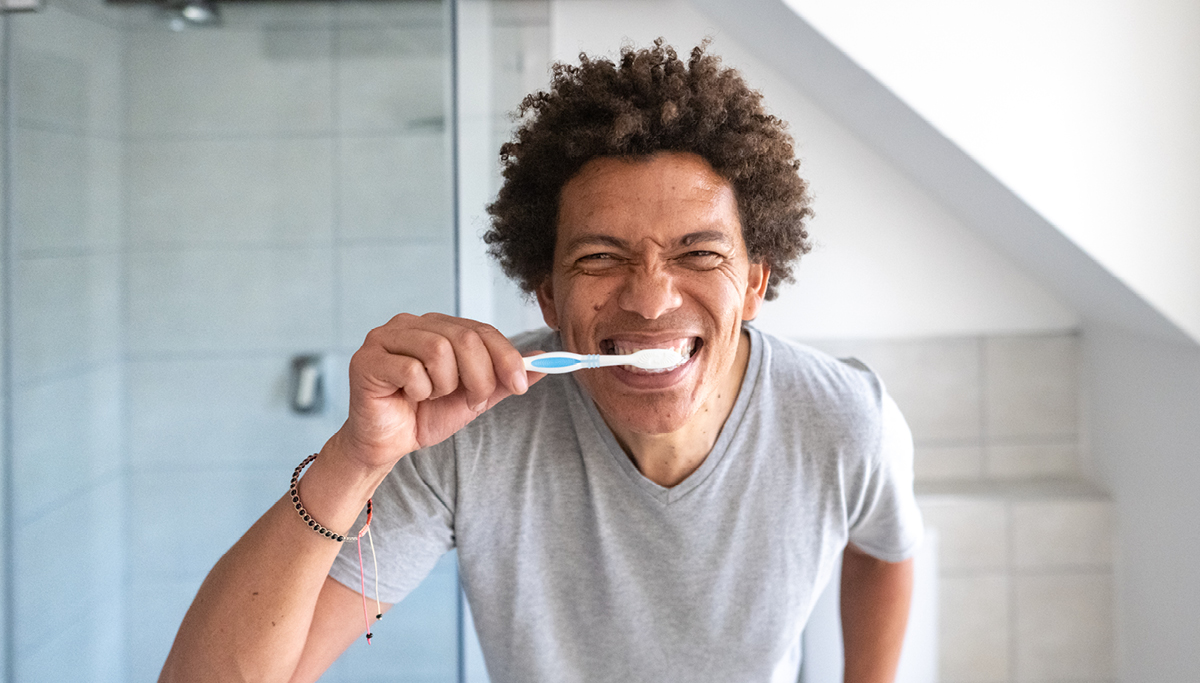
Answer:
x=616 y=524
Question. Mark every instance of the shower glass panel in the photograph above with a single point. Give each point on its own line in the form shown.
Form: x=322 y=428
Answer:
x=184 y=213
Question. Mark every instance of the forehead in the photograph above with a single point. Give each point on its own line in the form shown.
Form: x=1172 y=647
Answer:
x=663 y=196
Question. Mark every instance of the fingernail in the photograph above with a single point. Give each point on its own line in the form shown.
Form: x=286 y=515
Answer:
x=520 y=382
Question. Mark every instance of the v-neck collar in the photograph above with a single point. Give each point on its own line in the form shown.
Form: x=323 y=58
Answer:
x=668 y=495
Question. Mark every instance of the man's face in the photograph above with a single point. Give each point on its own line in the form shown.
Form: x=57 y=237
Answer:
x=649 y=254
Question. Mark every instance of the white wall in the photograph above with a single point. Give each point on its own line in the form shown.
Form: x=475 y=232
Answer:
x=1143 y=396
x=1087 y=110
x=890 y=261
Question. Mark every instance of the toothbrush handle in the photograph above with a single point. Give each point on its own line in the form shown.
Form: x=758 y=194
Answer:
x=557 y=362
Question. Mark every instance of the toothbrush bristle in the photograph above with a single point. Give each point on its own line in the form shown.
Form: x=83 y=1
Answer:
x=658 y=359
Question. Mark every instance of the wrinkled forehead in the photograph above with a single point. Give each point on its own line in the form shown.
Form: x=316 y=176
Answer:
x=668 y=198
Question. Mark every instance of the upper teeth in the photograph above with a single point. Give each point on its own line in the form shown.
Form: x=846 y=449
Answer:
x=683 y=348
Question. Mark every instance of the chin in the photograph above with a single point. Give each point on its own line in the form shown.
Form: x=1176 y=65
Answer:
x=645 y=414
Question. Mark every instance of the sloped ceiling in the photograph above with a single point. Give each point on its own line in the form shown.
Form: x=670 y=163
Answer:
x=787 y=43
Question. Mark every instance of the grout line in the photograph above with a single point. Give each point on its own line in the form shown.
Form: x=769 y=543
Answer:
x=7 y=215
x=985 y=444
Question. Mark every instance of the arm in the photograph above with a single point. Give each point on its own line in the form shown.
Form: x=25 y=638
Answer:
x=875 y=597
x=267 y=607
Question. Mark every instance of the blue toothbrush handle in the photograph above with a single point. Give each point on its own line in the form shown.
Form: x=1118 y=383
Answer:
x=558 y=362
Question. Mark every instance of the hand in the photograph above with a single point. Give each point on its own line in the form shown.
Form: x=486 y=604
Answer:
x=419 y=379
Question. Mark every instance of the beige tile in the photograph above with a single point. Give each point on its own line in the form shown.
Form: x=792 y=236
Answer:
x=1064 y=628
x=1030 y=461
x=1030 y=387
x=973 y=629
x=972 y=534
x=1062 y=533
x=935 y=382
x=943 y=463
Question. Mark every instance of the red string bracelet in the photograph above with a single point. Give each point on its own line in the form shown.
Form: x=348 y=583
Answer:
x=341 y=538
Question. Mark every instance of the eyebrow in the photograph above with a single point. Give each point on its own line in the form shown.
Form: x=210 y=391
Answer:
x=698 y=237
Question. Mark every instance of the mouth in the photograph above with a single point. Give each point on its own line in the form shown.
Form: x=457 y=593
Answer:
x=686 y=347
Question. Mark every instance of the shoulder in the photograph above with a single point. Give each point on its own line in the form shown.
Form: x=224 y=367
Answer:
x=813 y=376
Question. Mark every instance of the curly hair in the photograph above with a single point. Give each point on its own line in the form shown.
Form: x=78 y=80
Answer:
x=651 y=102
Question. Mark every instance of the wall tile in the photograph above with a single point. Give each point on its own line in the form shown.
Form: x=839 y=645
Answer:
x=1057 y=533
x=972 y=533
x=210 y=510
x=1064 y=627
x=67 y=73
x=237 y=16
x=174 y=406
x=238 y=191
x=88 y=647
x=211 y=82
x=67 y=559
x=371 y=13
x=392 y=79
x=67 y=191
x=379 y=281
x=934 y=381
x=973 y=640
x=241 y=300
x=942 y=463
x=158 y=606
x=395 y=187
x=421 y=635
x=65 y=315
x=1031 y=387
x=1031 y=461
x=67 y=435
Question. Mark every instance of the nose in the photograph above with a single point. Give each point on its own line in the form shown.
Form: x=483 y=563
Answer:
x=650 y=291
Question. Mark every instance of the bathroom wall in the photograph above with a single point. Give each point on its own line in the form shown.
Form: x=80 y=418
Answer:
x=289 y=185
x=1025 y=538
x=67 y=375
x=5 y=461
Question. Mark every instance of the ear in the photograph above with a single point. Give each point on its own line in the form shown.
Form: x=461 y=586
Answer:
x=545 y=297
x=756 y=289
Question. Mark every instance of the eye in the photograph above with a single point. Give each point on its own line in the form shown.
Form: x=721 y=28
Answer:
x=700 y=258
x=597 y=262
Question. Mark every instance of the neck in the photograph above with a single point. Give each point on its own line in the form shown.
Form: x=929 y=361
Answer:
x=667 y=459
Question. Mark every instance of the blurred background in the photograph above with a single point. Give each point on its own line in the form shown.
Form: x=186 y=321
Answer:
x=205 y=207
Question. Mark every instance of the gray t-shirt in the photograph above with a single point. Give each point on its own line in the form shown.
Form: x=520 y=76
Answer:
x=578 y=568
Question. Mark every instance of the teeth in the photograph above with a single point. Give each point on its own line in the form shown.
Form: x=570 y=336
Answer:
x=683 y=348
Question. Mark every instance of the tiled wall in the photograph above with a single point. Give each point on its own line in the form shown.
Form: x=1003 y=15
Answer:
x=1025 y=541
x=191 y=210
x=68 y=437
x=289 y=189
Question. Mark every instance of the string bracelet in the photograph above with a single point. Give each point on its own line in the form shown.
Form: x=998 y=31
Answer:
x=294 y=492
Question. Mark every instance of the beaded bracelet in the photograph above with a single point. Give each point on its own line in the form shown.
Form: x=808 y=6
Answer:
x=341 y=538
x=295 y=494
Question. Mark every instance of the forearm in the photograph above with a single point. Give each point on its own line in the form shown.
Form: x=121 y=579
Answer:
x=875 y=597
x=251 y=617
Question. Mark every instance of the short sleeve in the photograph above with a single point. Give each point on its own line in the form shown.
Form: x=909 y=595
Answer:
x=889 y=525
x=411 y=528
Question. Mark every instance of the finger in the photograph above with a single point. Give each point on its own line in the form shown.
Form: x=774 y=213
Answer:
x=428 y=346
x=381 y=374
x=507 y=361
x=476 y=373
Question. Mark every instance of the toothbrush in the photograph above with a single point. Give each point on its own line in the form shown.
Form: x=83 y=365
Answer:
x=557 y=362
